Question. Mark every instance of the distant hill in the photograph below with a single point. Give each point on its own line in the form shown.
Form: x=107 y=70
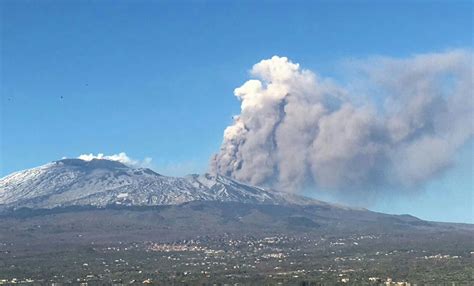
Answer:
x=74 y=187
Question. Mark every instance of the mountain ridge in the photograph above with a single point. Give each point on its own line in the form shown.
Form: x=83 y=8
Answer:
x=101 y=182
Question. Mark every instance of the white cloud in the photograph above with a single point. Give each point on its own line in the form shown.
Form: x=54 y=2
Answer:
x=121 y=157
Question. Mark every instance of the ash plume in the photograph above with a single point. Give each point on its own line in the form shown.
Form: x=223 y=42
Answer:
x=399 y=128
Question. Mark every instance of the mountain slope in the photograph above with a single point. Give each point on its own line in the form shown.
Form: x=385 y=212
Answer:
x=75 y=220
x=75 y=182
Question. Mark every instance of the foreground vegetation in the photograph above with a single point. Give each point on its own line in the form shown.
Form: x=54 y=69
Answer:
x=129 y=247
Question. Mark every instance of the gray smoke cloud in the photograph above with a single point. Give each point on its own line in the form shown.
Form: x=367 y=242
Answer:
x=397 y=124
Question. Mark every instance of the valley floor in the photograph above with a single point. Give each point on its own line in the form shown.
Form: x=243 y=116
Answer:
x=128 y=247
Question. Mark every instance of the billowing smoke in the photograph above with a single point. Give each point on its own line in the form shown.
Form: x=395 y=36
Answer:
x=396 y=124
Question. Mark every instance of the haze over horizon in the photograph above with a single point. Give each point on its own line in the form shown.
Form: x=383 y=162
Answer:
x=380 y=118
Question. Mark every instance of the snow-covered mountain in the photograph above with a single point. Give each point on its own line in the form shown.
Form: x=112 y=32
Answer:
x=100 y=182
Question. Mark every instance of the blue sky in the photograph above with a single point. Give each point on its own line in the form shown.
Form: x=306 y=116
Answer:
x=156 y=79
